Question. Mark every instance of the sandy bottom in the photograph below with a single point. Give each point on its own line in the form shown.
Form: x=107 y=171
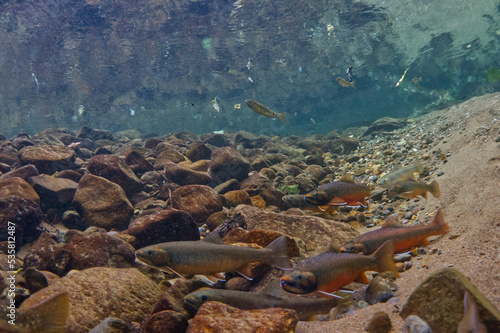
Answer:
x=470 y=200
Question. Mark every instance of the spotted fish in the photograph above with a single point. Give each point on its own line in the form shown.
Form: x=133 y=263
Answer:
x=264 y=110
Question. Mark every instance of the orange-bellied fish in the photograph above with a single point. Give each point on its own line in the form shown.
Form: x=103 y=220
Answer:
x=264 y=110
x=271 y=297
x=404 y=238
x=340 y=192
x=210 y=257
x=413 y=188
x=329 y=271
x=400 y=174
x=471 y=322
x=345 y=83
x=300 y=201
x=48 y=316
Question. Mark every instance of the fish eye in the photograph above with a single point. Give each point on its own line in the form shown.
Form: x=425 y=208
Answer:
x=150 y=252
x=203 y=298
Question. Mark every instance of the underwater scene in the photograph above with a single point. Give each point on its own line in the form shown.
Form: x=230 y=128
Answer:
x=250 y=166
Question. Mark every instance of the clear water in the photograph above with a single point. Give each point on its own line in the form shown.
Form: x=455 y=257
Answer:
x=158 y=65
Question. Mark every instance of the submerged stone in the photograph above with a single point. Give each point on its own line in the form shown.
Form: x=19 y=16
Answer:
x=48 y=158
x=199 y=201
x=116 y=170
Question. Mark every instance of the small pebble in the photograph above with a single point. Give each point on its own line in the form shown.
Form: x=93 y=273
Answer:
x=451 y=265
x=440 y=173
x=408 y=265
x=362 y=304
x=402 y=257
x=408 y=215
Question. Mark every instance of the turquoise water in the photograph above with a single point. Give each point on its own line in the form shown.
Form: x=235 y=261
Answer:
x=158 y=66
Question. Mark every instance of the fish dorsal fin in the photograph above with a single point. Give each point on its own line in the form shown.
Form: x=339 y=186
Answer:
x=332 y=248
x=347 y=178
x=392 y=222
x=213 y=237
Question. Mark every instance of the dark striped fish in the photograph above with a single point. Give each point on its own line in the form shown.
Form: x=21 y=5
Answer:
x=264 y=110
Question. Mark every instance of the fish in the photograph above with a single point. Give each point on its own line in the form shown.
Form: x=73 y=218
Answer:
x=345 y=83
x=210 y=257
x=402 y=78
x=271 y=297
x=264 y=110
x=401 y=174
x=339 y=193
x=48 y=316
x=471 y=322
x=413 y=188
x=329 y=271
x=404 y=238
x=348 y=72
x=299 y=201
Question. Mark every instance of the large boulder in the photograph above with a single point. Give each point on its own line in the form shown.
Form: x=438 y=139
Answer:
x=102 y=203
x=227 y=163
x=48 y=158
x=100 y=292
x=53 y=191
x=20 y=218
x=116 y=170
x=439 y=301
x=15 y=186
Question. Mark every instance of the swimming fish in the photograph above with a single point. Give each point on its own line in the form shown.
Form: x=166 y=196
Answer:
x=404 y=238
x=413 y=188
x=210 y=256
x=402 y=78
x=348 y=72
x=401 y=174
x=340 y=192
x=271 y=297
x=329 y=271
x=471 y=322
x=264 y=110
x=299 y=201
x=215 y=104
x=47 y=317
x=345 y=83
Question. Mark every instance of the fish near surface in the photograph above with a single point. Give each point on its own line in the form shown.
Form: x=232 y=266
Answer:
x=264 y=110
x=345 y=83
x=329 y=271
x=412 y=188
x=47 y=317
x=211 y=257
x=401 y=174
x=340 y=192
x=300 y=201
x=271 y=297
x=404 y=238
x=471 y=322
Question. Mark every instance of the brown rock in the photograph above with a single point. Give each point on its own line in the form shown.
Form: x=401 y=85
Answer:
x=102 y=203
x=199 y=201
x=315 y=171
x=381 y=288
x=15 y=186
x=274 y=197
x=24 y=172
x=165 y=322
x=235 y=198
x=115 y=169
x=185 y=176
x=137 y=163
x=87 y=132
x=69 y=174
x=165 y=226
x=227 y=163
x=229 y=185
x=256 y=184
x=310 y=229
x=48 y=159
x=100 y=292
x=385 y=124
x=258 y=201
x=198 y=151
x=170 y=155
x=446 y=288
x=219 y=317
x=200 y=165
x=379 y=323
x=53 y=191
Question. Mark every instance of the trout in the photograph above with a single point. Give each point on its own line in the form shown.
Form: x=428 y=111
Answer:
x=404 y=238
x=271 y=297
x=47 y=317
x=412 y=188
x=210 y=256
x=401 y=174
x=264 y=110
x=329 y=271
x=340 y=192
x=345 y=83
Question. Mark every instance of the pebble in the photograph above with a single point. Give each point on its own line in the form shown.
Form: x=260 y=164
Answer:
x=379 y=323
x=440 y=173
x=415 y=324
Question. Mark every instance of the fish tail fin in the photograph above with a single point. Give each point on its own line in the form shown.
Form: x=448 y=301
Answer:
x=282 y=116
x=419 y=167
x=279 y=257
x=439 y=223
x=352 y=84
x=52 y=313
x=435 y=190
x=384 y=258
